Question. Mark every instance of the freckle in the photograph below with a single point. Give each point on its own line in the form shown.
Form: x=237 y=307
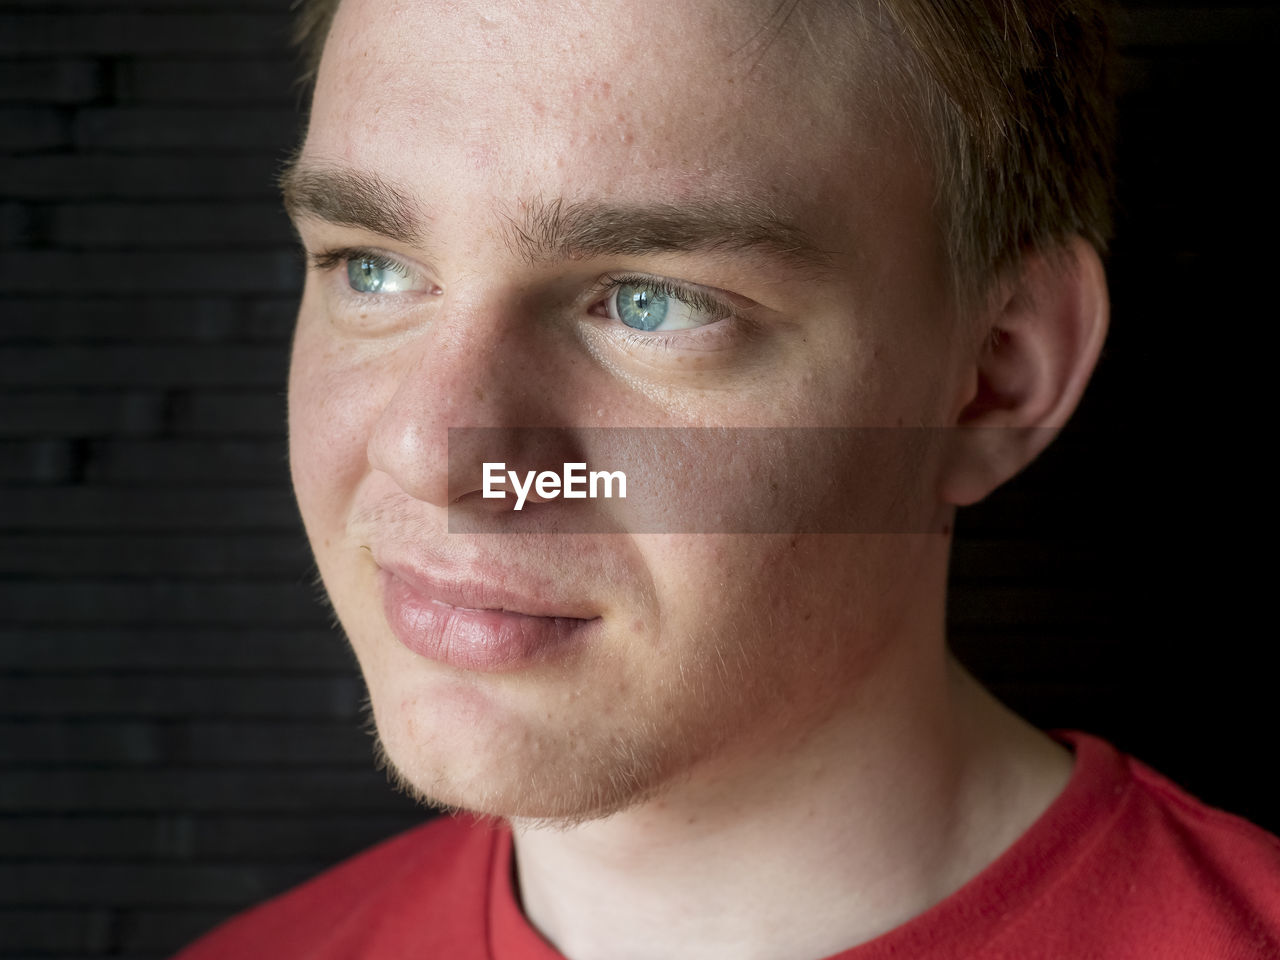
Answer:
x=773 y=485
x=479 y=393
x=900 y=421
x=808 y=615
x=946 y=529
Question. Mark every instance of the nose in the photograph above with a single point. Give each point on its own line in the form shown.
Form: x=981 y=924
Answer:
x=469 y=391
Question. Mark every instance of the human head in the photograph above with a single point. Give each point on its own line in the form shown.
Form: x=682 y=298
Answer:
x=431 y=165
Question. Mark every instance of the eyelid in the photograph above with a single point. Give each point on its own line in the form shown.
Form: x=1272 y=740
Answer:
x=334 y=257
x=718 y=306
x=330 y=259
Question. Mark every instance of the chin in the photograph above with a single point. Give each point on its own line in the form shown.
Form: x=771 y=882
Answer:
x=547 y=776
x=530 y=803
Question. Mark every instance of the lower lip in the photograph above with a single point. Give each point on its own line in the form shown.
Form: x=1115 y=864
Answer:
x=488 y=640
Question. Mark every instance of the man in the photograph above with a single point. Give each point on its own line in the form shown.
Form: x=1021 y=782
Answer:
x=682 y=235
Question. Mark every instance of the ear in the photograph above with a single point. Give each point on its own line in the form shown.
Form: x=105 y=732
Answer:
x=1042 y=338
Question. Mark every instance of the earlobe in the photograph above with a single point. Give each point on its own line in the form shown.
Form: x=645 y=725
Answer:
x=1043 y=338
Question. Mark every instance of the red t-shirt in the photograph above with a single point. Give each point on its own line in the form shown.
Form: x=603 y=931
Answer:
x=1123 y=865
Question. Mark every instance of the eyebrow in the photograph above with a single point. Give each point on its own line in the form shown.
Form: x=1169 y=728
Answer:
x=350 y=198
x=576 y=230
x=561 y=229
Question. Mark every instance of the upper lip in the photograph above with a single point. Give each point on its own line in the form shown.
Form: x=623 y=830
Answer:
x=478 y=586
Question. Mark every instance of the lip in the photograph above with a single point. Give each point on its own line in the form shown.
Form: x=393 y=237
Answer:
x=475 y=621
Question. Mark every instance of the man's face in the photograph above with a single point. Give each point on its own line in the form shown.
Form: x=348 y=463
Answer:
x=565 y=675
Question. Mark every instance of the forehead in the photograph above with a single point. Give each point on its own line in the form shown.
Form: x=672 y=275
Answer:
x=554 y=98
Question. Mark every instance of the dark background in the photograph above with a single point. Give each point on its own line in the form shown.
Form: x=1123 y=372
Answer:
x=180 y=727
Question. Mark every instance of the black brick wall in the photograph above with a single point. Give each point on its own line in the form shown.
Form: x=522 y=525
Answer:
x=180 y=729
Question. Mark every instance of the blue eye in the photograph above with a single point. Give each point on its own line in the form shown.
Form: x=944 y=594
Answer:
x=371 y=274
x=658 y=305
x=641 y=307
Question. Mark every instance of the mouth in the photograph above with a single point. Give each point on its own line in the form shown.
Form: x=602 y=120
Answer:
x=477 y=622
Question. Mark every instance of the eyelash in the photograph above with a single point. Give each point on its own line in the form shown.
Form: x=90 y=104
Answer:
x=329 y=260
x=716 y=308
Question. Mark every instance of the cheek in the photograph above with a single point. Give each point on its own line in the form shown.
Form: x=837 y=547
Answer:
x=802 y=611
x=333 y=405
x=746 y=596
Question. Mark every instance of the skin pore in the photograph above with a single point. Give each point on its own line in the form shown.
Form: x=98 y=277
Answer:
x=759 y=746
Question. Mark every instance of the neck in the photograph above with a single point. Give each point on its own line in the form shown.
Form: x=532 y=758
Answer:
x=805 y=848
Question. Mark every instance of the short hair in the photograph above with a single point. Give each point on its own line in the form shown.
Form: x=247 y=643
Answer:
x=1012 y=106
